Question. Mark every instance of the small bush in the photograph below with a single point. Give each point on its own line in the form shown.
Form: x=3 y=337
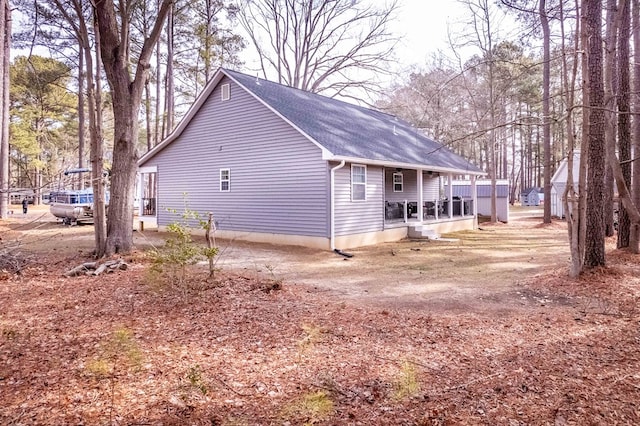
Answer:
x=407 y=383
x=194 y=376
x=311 y=408
x=180 y=250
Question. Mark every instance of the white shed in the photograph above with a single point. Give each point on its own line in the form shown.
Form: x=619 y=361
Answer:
x=559 y=184
x=462 y=189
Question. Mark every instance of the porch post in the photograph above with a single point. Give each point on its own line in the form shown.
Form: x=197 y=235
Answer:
x=420 y=195
x=450 y=194
x=474 y=197
x=140 y=192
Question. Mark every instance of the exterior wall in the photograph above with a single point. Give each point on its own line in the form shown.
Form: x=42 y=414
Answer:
x=462 y=188
x=430 y=187
x=355 y=217
x=321 y=243
x=502 y=208
x=371 y=238
x=279 y=182
x=557 y=207
x=342 y=242
x=410 y=186
x=530 y=198
x=456 y=225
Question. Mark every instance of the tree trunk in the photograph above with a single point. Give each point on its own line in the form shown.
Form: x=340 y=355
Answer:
x=594 y=247
x=81 y=117
x=98 y=180
x=624 y=122
x=634 y=237
x=5 y=45
x=156 y=131
x=170 y=87
x=126 y=96
x=571 y=197
x=610 y=90
x=546 y=123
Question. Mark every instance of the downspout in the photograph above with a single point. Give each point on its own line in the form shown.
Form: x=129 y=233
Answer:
x=333 y=203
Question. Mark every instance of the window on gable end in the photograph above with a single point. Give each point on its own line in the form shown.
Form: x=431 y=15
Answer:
x=225 y=90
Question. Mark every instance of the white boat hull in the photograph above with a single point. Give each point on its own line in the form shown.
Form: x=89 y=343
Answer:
x=72 y=212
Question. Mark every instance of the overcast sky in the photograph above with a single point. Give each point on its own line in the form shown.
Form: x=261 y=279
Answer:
x=424 y=24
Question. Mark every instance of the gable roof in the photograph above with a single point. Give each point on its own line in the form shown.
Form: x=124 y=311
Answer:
x=532 y=190
x=561 y=174
x=343 y=131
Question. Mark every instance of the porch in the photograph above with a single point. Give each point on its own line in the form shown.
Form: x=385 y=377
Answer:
x=414 y=196
x=432 y=211
x=439 y=217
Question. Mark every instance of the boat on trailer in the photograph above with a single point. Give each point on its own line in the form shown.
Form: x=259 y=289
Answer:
x=73 y=206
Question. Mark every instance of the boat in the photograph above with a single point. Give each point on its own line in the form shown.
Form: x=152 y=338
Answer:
x=73 y=206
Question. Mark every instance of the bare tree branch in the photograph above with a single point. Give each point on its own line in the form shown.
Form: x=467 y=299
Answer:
x=320 y=46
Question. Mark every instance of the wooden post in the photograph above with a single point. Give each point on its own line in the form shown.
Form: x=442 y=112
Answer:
x=211 y=241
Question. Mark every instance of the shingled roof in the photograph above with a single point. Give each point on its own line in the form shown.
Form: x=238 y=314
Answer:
x=346 y=131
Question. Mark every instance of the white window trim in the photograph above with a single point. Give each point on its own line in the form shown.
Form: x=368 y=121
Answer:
x=228 y=180
x=353 y=166
x=401 y=183
x=225 y=92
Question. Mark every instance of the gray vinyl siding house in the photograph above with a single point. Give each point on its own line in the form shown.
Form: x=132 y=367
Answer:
x=276 y=164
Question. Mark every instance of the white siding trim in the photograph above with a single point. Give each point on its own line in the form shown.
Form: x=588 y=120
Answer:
x=394 y=164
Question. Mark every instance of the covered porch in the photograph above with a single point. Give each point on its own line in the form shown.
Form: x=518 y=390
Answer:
x=425 y=197
x=146 y=199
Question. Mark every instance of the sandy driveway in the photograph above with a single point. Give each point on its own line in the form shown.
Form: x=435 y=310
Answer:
x=472 y=269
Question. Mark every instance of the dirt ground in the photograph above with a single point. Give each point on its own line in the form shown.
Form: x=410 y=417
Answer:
x=478 y=269
x=483 y=327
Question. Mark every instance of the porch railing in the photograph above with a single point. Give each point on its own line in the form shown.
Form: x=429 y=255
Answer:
x=148 y=207
x=431 y=210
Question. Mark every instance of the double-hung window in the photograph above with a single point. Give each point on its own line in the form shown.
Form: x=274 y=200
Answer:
x=358 y=182
x=398 y=183
x=225 y=180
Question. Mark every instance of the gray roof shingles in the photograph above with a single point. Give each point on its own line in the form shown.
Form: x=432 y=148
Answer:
x=352 y=131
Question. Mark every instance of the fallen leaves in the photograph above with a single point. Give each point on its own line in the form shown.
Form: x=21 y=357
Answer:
x=122 y=348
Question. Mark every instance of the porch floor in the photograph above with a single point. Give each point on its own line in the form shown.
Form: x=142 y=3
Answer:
x=399 y=223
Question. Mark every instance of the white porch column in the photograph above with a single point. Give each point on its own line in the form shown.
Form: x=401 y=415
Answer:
x=450 y=194
x=140 y=191
x=474 y=196
x=142 y=180
x=420 y=195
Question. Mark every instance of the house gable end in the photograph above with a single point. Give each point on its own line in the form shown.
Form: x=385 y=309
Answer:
x=270 y=171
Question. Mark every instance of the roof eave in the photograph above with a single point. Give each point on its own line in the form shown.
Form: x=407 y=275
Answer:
x=385 y=163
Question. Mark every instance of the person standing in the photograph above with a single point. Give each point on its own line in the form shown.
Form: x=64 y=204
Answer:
x=25 y=205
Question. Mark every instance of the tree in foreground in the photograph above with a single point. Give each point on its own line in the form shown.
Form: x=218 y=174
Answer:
x=126 y=94
x=5 y=43
x=594 y=244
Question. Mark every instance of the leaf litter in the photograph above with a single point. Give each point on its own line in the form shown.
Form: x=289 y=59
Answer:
x=121 y=349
